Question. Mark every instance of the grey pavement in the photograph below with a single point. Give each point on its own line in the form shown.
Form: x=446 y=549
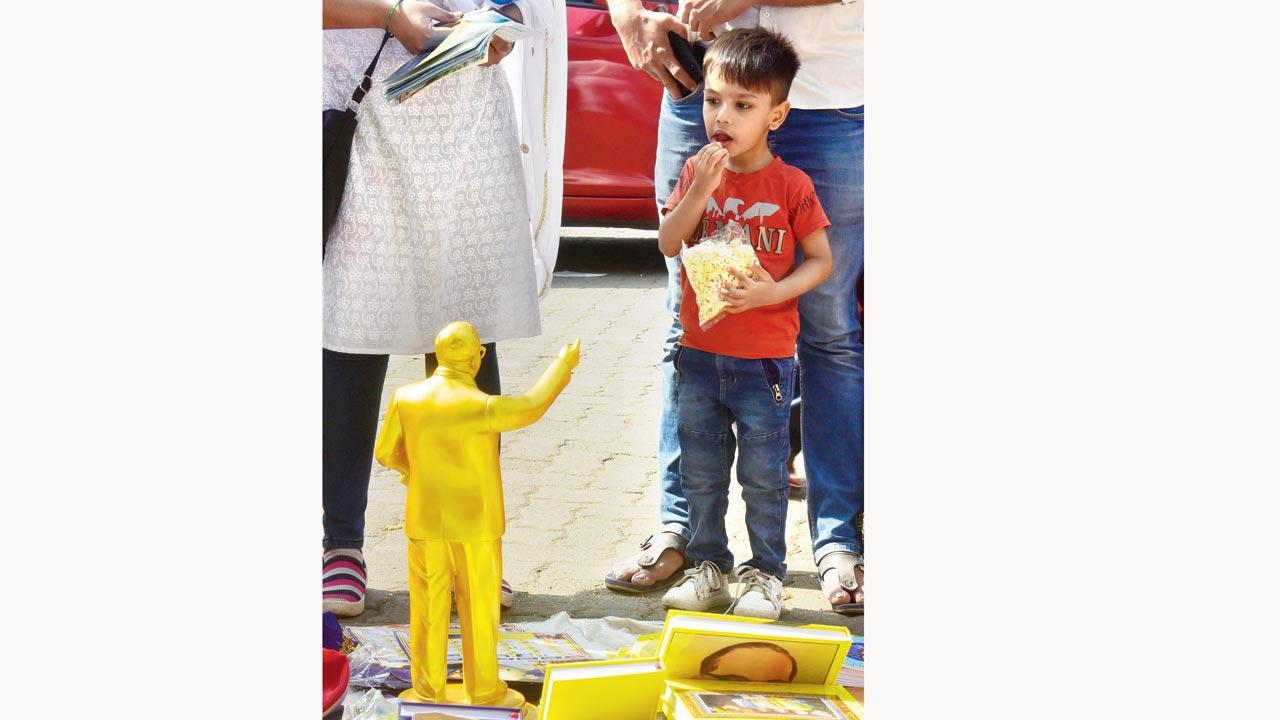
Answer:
x=581 y=484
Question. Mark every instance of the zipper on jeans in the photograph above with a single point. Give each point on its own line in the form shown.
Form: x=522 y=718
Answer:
x=773 y=378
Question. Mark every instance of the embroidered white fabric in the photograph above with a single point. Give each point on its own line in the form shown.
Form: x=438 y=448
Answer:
x=434 y=225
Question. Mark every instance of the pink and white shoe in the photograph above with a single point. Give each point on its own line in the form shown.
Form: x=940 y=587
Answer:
x=345 y=578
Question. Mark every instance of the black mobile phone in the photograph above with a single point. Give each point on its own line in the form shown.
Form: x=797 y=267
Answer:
x=690 y=56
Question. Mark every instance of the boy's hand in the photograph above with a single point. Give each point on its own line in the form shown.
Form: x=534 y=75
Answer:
x=754 y=292
x=708 y=168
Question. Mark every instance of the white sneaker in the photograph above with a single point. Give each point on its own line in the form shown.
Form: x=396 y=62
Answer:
x=759 y=595
x=702 y=588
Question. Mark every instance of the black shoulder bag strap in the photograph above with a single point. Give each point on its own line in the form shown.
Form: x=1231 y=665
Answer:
x=339 y=133
x=367 y=81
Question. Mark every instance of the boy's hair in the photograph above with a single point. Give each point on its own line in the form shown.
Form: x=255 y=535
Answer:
x=756 y=59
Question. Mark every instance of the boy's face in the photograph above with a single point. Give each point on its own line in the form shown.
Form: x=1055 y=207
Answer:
x=737 y=118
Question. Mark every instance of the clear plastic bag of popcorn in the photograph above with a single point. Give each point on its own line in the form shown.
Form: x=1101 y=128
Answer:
x=707 y=267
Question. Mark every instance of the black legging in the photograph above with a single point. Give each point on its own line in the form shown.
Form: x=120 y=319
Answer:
x=352 y=396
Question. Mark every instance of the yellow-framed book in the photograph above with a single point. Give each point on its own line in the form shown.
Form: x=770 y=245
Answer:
x=712 y=700
x=707 y=646
x=624 y=689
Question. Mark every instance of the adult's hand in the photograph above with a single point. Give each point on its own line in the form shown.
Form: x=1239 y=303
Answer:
x=644 y=38
x=703 y=16
x=499 y=48
x=412 y=23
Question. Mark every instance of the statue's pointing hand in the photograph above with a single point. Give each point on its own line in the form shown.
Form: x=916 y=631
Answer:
x=569 y=353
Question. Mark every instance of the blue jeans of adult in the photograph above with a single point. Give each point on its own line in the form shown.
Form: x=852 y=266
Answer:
x=715 y=392
x=827 y=145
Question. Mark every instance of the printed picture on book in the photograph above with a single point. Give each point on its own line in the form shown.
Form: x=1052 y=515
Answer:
x=763 y=705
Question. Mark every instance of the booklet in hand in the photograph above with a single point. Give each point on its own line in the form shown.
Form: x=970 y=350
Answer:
x=466 y=44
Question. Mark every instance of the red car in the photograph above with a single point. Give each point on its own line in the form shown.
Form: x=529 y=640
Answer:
x=611 y=131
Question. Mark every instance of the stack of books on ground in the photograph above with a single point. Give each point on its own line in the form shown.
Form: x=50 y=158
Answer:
x=851 y=675
x=443 y=711
x=712 y=666
x=381 y=655
x=466 y=44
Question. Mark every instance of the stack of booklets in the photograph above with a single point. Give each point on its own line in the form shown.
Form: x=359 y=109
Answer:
x=521 y=654
x=712 y=666
x=444 y=711
x=466 y=44
x=851 y=675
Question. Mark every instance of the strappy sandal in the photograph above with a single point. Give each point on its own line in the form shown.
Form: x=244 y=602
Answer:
x=653 y=547
x=850 y=568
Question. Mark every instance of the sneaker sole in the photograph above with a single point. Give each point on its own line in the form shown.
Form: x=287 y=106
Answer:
x=343 y=608
x=761 y=614
x=711 y=604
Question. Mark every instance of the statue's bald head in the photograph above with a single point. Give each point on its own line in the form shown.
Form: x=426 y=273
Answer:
x=458 y=347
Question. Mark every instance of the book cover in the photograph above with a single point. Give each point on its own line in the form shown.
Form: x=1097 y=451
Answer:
x=703 y=700
x=615 y=689
x=727 y=648
x=441 y=711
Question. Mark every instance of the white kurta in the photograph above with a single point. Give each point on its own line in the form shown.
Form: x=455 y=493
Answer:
x=435 y=221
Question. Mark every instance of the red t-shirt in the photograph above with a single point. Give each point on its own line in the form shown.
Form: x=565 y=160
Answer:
x=777 y=205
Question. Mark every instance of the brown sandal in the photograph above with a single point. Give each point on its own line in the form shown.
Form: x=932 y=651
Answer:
x=653 y=547
x=851 y=573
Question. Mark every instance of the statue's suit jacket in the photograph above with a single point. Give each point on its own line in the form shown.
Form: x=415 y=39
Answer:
x=442 y=434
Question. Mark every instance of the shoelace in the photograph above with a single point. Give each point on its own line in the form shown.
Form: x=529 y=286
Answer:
x=706 y=578
x=748 y=580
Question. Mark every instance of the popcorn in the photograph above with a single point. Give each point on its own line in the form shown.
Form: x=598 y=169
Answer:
x=707 y=267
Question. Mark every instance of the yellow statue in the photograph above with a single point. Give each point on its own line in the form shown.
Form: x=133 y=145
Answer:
x=441 y=434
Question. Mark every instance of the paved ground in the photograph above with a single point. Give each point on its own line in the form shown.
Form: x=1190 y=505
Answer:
x=581 y=484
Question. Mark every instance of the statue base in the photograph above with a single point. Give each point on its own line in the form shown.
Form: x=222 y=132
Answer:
x=454 y=695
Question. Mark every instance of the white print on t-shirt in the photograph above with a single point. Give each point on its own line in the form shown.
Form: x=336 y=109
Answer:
x=767 y=239
x=761 y=209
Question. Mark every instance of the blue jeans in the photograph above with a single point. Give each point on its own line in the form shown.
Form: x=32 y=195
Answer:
x=826 y=144
x=715 y=392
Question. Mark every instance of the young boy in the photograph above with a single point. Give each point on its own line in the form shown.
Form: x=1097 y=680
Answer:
x=740 y=369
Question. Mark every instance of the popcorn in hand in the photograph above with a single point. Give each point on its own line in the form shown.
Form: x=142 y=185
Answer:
x=707 y=267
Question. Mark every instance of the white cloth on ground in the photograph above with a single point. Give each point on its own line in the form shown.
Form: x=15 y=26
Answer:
x=597 y=636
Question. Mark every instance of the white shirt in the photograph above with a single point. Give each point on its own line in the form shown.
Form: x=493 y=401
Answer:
x=828 y=39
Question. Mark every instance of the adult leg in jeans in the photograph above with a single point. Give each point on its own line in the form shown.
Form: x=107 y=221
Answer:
x=827 y=144
x=681 y=134
x=352 y=393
